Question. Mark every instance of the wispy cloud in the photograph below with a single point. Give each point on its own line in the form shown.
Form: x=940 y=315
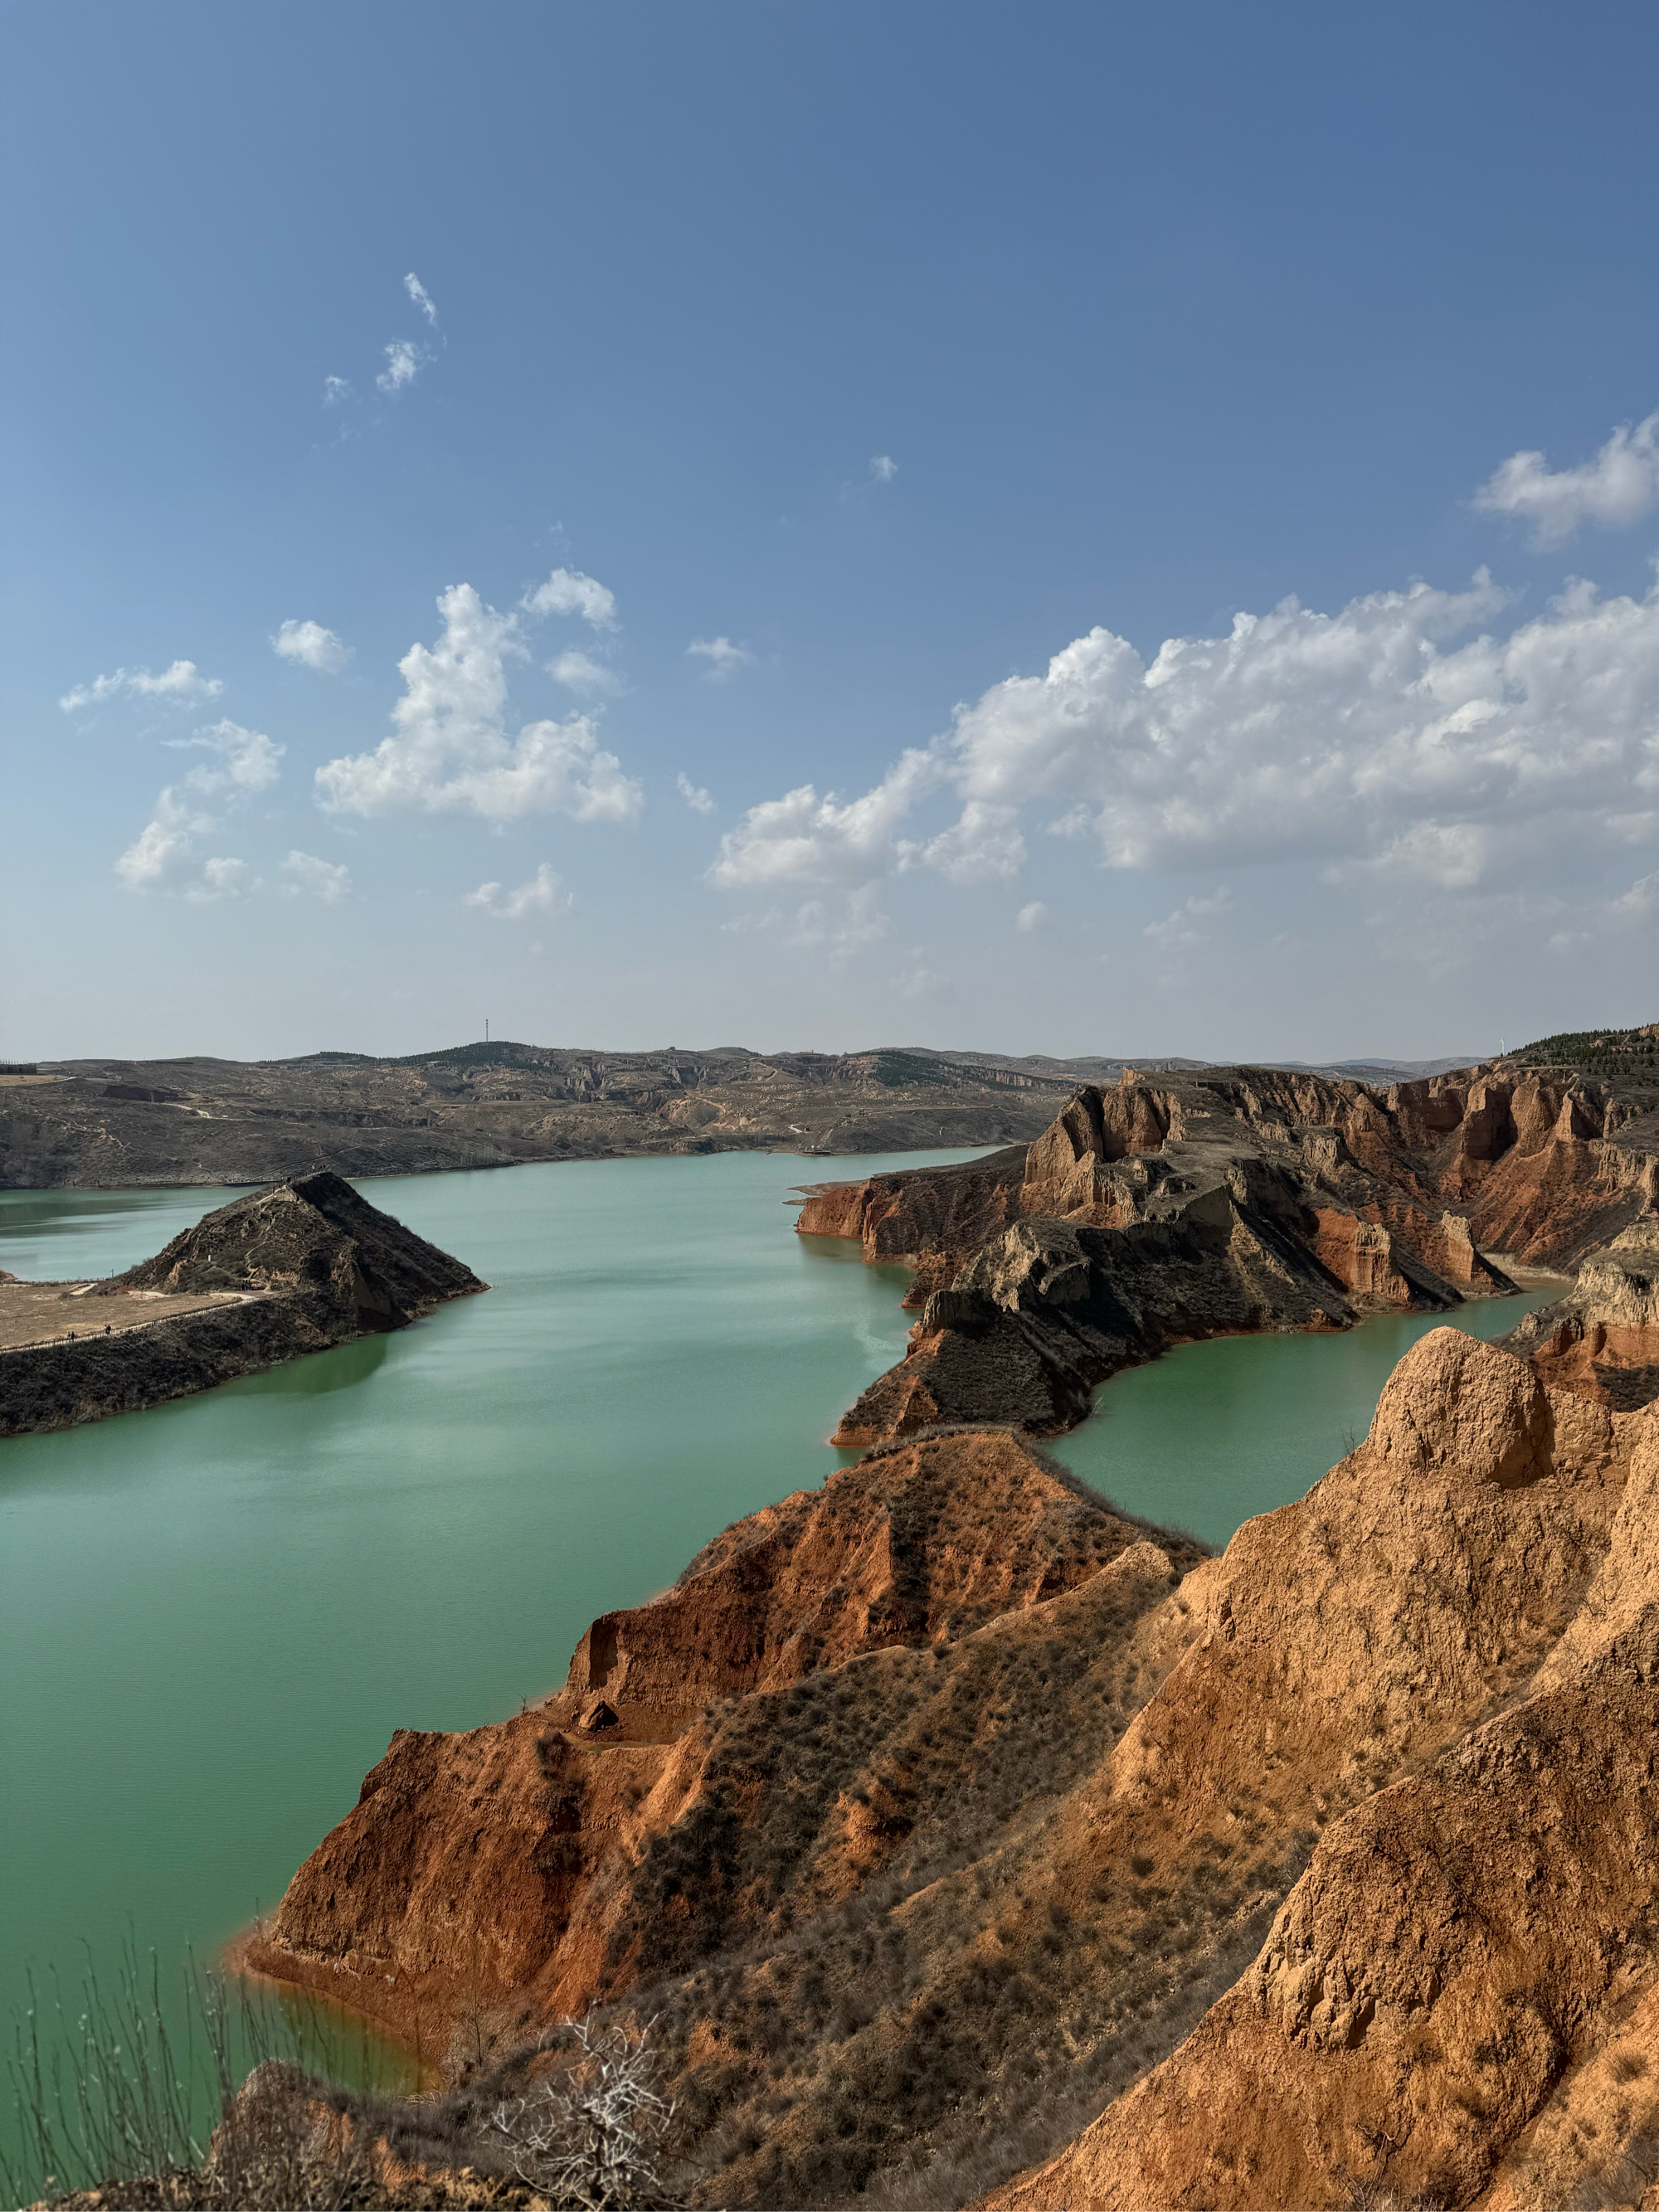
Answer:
x=311 y=646
x=450 y=750
x=404 y=361
x=336 y=391
x=577 y=671
x=163 y=855
x=1189 y=926
x=1618 y=487
x=695 y=796
x=883 y=468
x=722 y=658
x=543 y=895
x=841 y=928
x=305 y=876
x=422 y=298
x=182 y=684
x=1031 y=917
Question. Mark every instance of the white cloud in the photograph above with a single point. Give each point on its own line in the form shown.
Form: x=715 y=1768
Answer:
x=1186 y=927
x=309 y=877
x=1618 y=487
x=838 y=932
x=450 y=751
x=335 y=390
x=883 y=468
x=695 y=796
x=1031 y=917
x=422 y=298
x=723 y=658
x=578 y=672
x=180 y=684
x=568 y=592
x=1363 y=740
x=163 y=855
x=311 y=646
x=801 y=838
x=982 y=846
x=404 y=361
x=543 y=895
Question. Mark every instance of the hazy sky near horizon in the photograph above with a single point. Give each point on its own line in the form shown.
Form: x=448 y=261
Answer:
x=1078 y=528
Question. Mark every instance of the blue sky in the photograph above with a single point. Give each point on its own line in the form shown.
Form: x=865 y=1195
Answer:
x=929 y=368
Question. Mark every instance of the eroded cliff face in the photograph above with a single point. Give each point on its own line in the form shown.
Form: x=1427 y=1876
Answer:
x=499 y=1872
x=1158 y=1211
x=1601 y=1341
x=933 y=1811
x=1468 y=1960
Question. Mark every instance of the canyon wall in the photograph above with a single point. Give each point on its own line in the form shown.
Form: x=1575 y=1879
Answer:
x=1158 y=1211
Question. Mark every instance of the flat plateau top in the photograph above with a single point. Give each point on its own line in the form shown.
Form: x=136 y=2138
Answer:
x=43 y=1313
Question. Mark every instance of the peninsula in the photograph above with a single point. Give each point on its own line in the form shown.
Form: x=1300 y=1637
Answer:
x=285 y=1271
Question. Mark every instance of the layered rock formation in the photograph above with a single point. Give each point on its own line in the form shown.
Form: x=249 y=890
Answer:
x=935 y=1813
x=296 y=1269
x=1164 y=1210
x=1602 y=1339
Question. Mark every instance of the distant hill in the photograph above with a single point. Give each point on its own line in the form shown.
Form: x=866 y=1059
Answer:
x=1609 y=1052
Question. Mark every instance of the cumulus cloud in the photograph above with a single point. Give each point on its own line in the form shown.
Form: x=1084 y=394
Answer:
x=450 y=750
x=336 y=389
x=164 y=855
x=568 y=592
x=307 y=877
x=695 y=796
x=404 y=361
x=722 y=658
x=1031 y=917
x=181 y=684
x=311 y=646
x=883 y=468
x=1616 y=488
x=578 y=672
x=543 y=895
x=422 y=298
x=1368 y=740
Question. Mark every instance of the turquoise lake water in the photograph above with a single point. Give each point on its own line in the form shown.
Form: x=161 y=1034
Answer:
x=213 y=1614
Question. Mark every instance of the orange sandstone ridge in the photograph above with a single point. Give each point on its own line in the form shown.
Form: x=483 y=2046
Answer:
x=966 y=1842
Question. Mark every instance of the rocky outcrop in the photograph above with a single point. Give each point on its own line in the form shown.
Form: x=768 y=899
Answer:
x=1601 y=1341
x=927 y=1218
x=292 y=1270
x=1151 y=1213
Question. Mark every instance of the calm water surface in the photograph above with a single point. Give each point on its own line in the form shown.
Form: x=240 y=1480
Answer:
x=1214 y=1432
x=213 y=1614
